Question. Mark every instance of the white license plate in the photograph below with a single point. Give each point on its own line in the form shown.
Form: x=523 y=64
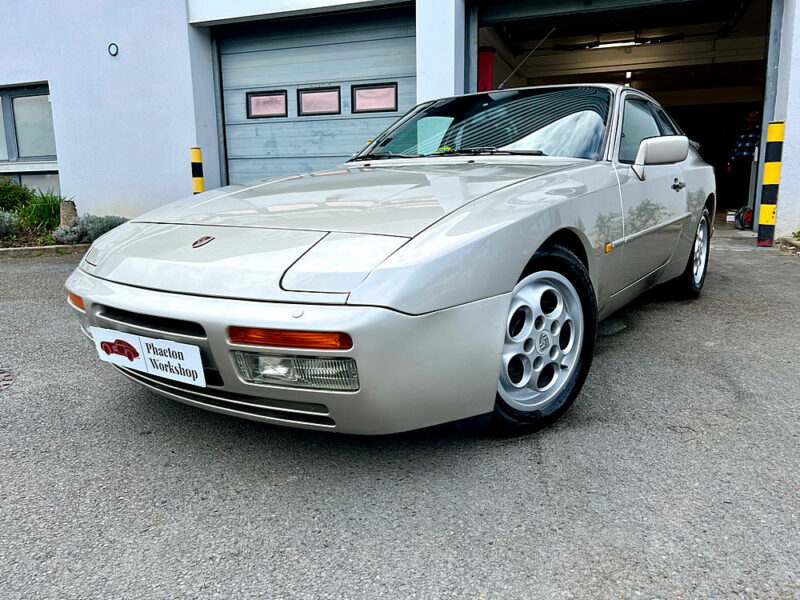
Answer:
x=163 y=358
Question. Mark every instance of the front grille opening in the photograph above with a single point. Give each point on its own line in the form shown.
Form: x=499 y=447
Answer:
x=251 y=405
x=167 y=325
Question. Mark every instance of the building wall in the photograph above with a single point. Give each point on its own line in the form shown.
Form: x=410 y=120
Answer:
x=205 y=107
x=440 y=48
x=787 y=108
x=123 y=125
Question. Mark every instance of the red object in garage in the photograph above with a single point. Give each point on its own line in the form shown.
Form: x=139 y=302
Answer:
x=485 y=69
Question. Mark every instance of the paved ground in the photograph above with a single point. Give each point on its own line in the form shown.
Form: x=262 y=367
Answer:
x=675 y=475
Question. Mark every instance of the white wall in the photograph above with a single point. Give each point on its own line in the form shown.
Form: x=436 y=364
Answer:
x=229 y=11
x=204 y=98
x=787 y=107
x=123 y=125
x=440 y=48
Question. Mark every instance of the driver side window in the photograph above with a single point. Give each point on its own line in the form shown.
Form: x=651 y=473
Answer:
x=638 y=123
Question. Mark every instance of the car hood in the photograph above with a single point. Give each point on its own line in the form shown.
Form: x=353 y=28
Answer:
x=227 y=262
x=309 y=238
x=396 y=198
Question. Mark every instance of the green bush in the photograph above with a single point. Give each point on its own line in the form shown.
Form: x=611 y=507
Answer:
x=8 y=224
x=97 y=226
x=68 y=235
x=42 y=213
x=86 y=229
x=14 y=196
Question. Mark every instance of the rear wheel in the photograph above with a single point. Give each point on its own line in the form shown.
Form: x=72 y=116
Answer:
x=549 y=340
x=690 y=282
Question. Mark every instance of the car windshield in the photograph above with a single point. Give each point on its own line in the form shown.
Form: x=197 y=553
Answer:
x=567 y=122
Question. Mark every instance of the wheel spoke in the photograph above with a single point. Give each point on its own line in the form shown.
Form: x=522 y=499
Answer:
x=555 y=325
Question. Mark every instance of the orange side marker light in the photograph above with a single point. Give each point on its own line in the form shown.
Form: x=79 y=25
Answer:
x=76 y=300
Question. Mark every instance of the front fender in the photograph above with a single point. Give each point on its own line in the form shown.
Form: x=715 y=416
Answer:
x=481 y=250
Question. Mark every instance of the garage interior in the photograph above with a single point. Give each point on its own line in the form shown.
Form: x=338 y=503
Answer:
x=703 y=60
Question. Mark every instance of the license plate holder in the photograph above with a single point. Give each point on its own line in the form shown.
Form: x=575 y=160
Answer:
x=162 y=358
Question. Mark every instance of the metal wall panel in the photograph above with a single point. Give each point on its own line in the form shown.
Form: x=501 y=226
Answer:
x=337 y=50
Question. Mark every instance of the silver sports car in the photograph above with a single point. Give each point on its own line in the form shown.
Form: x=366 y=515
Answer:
x=455 y=267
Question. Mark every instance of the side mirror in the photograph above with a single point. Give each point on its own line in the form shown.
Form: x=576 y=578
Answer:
x=661 y=150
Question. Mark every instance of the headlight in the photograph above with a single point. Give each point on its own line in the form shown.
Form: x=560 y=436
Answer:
x=92 y=257
x=339 y=262
x=338 y=374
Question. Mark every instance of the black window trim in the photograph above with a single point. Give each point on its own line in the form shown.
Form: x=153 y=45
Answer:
x=372 y=86
x=283 y=93
x=7 y=95
x=332 y=88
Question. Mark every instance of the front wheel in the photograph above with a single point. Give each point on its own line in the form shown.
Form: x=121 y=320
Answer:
x=549 y=340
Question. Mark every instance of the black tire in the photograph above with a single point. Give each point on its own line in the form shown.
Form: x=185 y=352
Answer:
x=556 y=258
x=686 y=286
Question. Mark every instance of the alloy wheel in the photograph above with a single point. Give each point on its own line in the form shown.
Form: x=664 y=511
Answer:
x=543 y=340
x=700 y=255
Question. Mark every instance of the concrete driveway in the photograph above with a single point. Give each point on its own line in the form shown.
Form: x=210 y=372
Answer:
x=675 y=475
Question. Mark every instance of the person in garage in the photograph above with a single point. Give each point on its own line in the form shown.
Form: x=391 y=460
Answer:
x=741 y=158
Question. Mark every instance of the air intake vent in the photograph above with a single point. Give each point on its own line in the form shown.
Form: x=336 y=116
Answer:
x=149 y=322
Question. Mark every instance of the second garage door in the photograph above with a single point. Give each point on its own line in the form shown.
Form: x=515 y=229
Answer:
x=303 y=95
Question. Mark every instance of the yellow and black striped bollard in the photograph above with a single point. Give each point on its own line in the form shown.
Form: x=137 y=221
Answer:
x=772 y=178
x=196 y=157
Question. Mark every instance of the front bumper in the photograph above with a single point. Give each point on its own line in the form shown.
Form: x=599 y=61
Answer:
x=414 y=371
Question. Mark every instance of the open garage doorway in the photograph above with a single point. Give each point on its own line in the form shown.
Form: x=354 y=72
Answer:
x=703 y=60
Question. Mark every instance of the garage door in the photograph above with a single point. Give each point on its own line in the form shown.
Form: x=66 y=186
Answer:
x=303 y=95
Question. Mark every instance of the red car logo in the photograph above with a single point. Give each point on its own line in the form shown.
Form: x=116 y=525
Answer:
x=120 y=347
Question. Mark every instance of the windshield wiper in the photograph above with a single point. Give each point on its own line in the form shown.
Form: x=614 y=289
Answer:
x=382 y=155
x=488 y=150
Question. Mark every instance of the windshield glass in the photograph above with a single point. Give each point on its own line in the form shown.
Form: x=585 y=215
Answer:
x=567 y=122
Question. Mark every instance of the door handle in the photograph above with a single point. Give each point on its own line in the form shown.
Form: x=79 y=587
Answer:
x=678 y=185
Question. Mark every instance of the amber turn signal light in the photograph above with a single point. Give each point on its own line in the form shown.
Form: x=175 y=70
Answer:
x=321 y=340
x=76 y=300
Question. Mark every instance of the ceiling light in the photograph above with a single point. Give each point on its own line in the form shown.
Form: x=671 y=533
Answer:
x=616 y=44
x=628 y=74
